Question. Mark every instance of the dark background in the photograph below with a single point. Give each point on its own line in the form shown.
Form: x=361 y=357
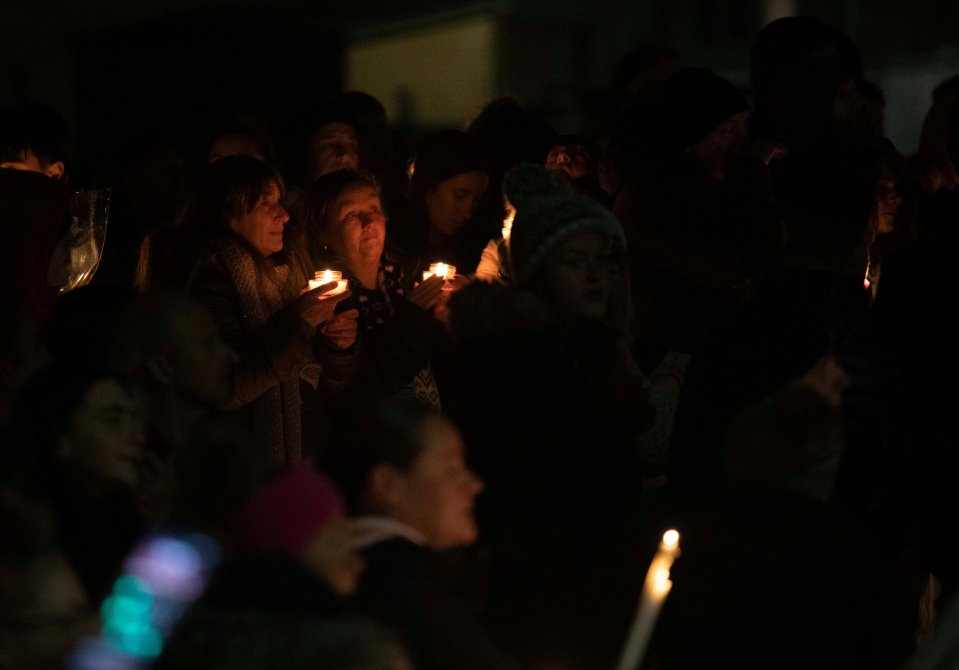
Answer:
x=115 y=70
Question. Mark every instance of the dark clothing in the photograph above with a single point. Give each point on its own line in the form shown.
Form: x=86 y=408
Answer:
x=771 y=579
x=551 y=417
x=281 y=359
x=96 y=535
x=270 y=611
x=912 y=492
x=33 y=210
x=401 y=345
x=694 y=248
x=401 y=588
x=270 y=582
x=796 y=317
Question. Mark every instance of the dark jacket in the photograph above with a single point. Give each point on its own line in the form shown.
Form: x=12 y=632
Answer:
x=282 y=353
x=398 y=339
x=551 y=416
x=401 y=588
x=797 y=316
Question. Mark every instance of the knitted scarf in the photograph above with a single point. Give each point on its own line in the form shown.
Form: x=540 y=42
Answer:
x=276 y=413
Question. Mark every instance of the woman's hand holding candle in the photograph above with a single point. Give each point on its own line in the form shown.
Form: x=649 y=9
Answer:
x=341 y=330
x=314 y=308
x=427 y=293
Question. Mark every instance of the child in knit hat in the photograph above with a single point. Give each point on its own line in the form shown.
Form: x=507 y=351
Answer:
x=568 y=251
x=554 y=410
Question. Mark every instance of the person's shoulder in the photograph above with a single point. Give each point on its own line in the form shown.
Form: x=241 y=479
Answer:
x=394 y=553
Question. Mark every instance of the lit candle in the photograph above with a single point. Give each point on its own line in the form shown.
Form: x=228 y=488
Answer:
x=325 y=277
x=655 y=589
x=508 y=223
x=440 y=270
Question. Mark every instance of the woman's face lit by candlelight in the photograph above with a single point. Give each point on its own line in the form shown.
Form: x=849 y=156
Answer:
x=573 y=159
x=887 y=203
x=263 y=225
x=358 y=225
x=452 y=203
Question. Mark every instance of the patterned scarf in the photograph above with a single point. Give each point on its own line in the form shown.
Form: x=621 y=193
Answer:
x=277 y=420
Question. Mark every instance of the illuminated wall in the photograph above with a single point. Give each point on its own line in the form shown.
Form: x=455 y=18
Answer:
x=440 y=75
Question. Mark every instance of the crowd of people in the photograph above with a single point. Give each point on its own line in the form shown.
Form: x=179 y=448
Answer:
x=436 y=404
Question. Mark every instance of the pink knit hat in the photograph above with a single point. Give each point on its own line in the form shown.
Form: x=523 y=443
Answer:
x=290 y=511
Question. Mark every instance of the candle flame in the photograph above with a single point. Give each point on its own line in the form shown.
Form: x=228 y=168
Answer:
x=443 y=270
x=321 y=277
x=326 y=276
x=508 y=223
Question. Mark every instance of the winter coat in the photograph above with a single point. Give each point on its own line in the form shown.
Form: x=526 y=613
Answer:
x=401 y=588
x=277 y=349
x=400 y=342
x=551 y=416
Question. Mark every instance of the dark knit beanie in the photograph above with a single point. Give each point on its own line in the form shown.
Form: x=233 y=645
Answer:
x=544 y=221
x=442 y=156
x=698 y=100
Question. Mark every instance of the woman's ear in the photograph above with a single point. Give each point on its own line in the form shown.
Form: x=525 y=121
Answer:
x=386 y=487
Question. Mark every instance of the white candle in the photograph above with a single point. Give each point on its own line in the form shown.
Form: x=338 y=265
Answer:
x=440 y=270
x=655 y=589
x=325 y=277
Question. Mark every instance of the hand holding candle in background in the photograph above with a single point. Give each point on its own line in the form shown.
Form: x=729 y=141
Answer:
x=443 y=270
x=655 y=589
x=426 y=294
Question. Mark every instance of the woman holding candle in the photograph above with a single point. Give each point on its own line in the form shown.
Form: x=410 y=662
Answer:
x=346 y=229
x=448 y=181
x=230 y=253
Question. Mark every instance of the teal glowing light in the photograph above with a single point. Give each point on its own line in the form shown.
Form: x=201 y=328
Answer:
x=128 y=618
